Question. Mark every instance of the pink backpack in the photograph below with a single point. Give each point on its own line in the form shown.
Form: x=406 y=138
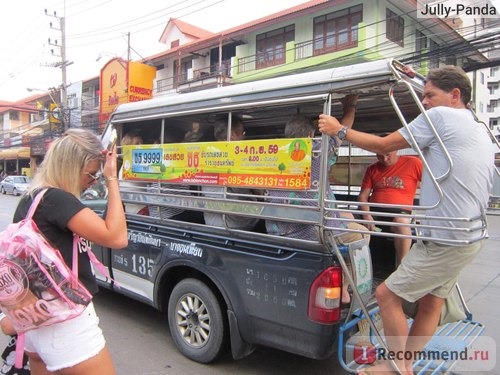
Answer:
x=37 y=288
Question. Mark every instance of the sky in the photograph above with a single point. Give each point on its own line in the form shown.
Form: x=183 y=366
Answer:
x=98 y=28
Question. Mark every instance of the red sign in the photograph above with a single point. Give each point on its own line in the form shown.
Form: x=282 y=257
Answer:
x=365 y=354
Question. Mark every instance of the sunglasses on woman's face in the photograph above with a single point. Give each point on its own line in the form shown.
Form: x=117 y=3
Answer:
x=95 y=176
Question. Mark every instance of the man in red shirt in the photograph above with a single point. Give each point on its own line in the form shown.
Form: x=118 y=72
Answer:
x=393 y=180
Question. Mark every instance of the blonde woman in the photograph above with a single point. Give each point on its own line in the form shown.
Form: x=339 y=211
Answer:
x=73 y=163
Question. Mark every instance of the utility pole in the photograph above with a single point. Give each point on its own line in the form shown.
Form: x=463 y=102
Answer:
x=128 y=46
x=62 y=64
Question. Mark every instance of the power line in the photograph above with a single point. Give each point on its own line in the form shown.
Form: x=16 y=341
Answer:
x=35 y=34
x=126 y=24
x=464 y=48
x=132 y=28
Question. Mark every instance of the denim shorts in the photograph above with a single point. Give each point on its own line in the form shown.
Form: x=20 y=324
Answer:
x=67 y=343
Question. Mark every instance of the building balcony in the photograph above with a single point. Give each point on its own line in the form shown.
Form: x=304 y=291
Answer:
x=90 y=104
x=196 y=79
x=493 y=111
x=304 y=55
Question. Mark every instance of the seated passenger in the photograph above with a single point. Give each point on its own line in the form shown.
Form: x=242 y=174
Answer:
x=131 y=139
x=195 y=134
x=300 y=126
x=199 y=133
x=393 y=179
x=232 y=221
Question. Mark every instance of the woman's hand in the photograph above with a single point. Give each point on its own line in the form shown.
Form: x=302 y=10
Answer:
x=110 y=164
x=6 y=326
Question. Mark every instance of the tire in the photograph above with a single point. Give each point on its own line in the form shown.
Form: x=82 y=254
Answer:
x=197 y=323
x=14 y=192
x=3 y=190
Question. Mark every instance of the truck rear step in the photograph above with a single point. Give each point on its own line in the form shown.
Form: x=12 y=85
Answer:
x=448 y=345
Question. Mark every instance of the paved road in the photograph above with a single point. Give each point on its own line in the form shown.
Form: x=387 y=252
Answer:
x=140 y=342
x=480 y=284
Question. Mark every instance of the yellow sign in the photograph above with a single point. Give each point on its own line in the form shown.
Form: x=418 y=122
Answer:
x=113 y=85
x=140 y=81
x=276 y=163
x=55 y=117
x=15 y=153
x=124 y=81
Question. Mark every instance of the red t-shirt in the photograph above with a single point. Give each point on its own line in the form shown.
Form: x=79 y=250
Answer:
x=396 y=184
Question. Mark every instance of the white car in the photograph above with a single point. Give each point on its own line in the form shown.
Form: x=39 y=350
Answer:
x=15 y=185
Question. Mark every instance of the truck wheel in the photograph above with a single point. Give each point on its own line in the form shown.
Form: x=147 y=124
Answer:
x=196 y=320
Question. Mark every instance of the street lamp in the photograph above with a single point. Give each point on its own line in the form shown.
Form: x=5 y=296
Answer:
x=104 y=53
x=31 y=89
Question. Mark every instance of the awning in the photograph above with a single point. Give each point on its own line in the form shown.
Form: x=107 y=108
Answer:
x=15 y=153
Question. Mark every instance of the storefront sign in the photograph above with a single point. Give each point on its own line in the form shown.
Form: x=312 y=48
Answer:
x=124 y=81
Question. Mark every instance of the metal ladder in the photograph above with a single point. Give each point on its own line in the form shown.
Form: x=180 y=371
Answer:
x=361 y=334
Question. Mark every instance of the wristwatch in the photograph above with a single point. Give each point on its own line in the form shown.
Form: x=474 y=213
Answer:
x=342 y=133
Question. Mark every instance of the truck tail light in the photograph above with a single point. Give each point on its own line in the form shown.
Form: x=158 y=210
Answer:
x=325 y=296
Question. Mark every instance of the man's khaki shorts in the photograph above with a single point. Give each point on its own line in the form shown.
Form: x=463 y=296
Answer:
x=430 y=268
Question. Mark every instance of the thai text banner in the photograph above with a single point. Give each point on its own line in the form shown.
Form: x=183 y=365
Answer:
x=276 y=163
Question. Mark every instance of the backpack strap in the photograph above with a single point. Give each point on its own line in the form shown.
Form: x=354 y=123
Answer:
x=93 y=259
x=35 y=203
x=19 y=351
x=74 y=267
x=74 y=264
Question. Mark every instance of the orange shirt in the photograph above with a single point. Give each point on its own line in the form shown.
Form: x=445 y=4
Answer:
x=396 y=184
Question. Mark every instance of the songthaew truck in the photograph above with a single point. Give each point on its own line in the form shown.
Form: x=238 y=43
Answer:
x=229 y=288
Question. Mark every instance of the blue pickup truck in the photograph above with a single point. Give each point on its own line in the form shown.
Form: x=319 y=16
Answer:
x=224 y=288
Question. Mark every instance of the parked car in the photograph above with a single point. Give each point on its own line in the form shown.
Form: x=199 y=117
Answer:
x=15 y=185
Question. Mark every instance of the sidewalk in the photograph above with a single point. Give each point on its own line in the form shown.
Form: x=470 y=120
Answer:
x=480 y=284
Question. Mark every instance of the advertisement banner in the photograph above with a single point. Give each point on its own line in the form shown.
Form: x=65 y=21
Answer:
x=276 y=163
